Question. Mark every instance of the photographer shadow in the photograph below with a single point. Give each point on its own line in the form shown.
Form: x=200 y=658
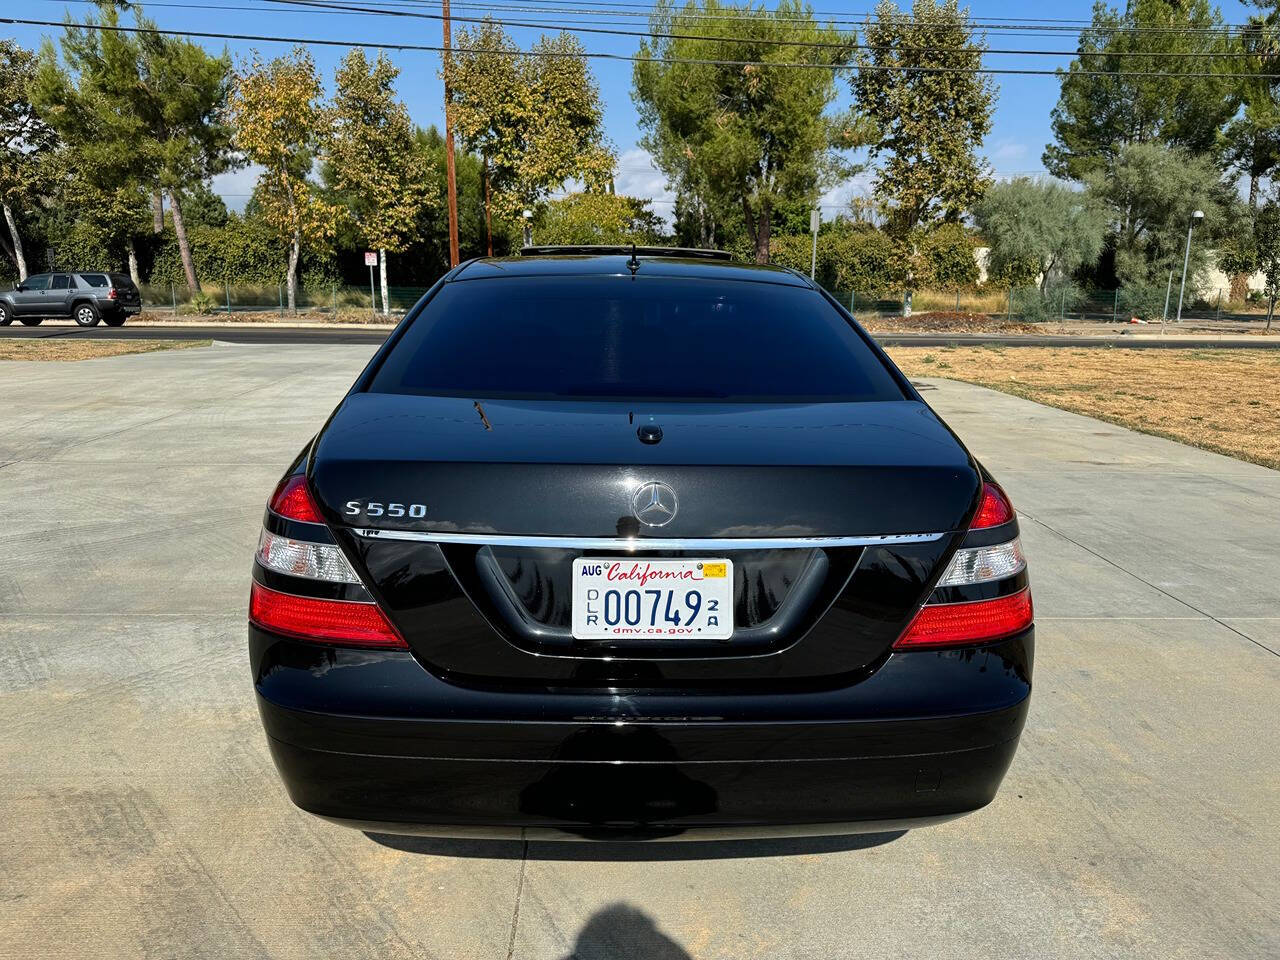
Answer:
x=621 y=931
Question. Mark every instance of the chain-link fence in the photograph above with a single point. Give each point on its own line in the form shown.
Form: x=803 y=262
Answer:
x=1059 y=303
x=1026 y=304
x=245 y=301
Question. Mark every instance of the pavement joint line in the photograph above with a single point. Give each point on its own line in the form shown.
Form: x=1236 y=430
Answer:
x=1158 y=589
x=515 y=915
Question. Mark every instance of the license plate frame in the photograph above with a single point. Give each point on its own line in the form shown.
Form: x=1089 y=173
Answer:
x=671 y=615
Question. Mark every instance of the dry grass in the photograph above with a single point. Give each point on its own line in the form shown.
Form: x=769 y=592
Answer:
x=1220 y=400
x=948 y=321
x=345 y=315
x=70 y=350
x=993 y=300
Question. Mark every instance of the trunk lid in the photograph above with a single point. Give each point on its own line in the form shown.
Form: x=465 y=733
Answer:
x=440 y=502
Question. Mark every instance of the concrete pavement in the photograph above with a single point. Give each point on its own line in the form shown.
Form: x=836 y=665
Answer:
x=1141 y=817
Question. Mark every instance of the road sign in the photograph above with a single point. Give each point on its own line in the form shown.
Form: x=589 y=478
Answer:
x=370 y=258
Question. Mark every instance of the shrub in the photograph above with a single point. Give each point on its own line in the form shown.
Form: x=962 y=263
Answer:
x=243 y=251
x=1036 y=307
x=864 y=259
x=203 y=302
x=946 y=259
x=81 y=246
x=1143 y=300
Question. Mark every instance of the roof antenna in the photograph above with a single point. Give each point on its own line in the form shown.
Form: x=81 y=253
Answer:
x=634 y=263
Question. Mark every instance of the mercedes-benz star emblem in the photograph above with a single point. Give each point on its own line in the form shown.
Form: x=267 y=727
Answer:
x=654 y=504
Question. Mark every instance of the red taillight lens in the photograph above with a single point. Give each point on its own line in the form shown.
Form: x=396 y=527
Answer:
x=994 y=509
x=324 y=621
x=292 y=500
x=112 y=295
x=950 y=624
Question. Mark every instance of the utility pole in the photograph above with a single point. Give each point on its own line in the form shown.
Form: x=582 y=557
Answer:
x=448 y=146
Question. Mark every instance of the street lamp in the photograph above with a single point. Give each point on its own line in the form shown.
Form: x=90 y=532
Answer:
x=1186 y=256
x=528 y=228
x=815 y=219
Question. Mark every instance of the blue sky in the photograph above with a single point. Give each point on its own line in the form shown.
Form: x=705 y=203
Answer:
x=1019 y=134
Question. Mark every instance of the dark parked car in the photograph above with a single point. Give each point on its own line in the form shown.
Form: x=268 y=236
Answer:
x=85 y=297
x=606 y=545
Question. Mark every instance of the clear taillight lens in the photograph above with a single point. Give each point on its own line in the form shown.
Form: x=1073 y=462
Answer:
x=982 y=564
x=298 y=558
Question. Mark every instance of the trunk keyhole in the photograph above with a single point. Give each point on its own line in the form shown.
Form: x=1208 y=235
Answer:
x=649 y=433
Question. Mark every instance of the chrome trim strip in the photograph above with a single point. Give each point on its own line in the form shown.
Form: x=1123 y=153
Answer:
x=631 y=544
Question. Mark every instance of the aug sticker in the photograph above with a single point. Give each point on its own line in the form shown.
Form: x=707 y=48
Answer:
x=713 y=570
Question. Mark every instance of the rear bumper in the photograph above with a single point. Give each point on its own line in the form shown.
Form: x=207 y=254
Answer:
x=376 y=741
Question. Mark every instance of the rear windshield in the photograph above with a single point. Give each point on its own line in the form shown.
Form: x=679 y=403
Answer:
x=642 y=338
x=120 y=280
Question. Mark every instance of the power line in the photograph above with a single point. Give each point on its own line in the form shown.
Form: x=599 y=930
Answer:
x=331 y=6
x=1010 y=25
x=1015 y=26
x=673 y=61
x=986 y=23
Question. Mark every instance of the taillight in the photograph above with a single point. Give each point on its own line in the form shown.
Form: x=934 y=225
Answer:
x=112 y=295
x=973 y=565
x=303 y=558
x=300 y=560
x=994 y=509
x=292 y=500
x=951 y=624
x=345 y=622
x=957 y=614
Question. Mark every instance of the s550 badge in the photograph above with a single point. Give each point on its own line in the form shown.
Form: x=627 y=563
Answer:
x=372 y=508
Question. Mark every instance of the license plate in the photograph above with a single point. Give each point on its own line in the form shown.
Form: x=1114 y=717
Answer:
x=615 y=599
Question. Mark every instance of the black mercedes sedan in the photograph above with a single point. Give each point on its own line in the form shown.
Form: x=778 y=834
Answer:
x=637 y=543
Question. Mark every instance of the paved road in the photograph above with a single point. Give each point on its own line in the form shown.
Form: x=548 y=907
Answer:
x=1141 y=818
x=248 y=333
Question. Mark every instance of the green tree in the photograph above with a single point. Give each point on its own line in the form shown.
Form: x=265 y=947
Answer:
x=1058 y=228
x=201 y=207
x=1252 y=138
x=535 y=119
x=100 y=176
x=1267 y=239
x=585 y=218
x=741 y=138
x=186 y=99
x=145 y=110
x=1150 y=195
x=947 y=260
x=27 y=142
x=1100 y=110
x=931 y=122
x=280 y=121
x=433 y=223
x=371 y=160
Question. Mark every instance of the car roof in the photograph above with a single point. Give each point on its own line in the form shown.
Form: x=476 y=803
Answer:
x=616 y=264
